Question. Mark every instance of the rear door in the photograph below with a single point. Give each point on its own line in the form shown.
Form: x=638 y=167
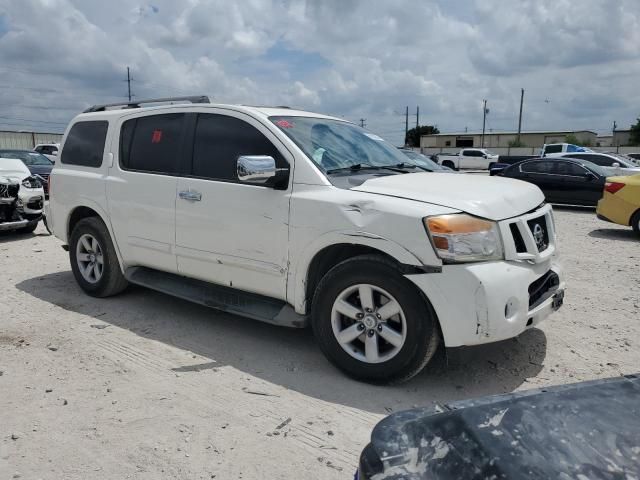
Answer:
x=470 y=159
x=228 y=232
x=540 y=173
x=141 y=188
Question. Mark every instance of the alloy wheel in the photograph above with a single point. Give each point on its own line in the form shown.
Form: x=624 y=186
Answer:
x=89 y=258
x=368 y=323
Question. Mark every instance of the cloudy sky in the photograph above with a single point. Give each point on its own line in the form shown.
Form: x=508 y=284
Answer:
x=578 y=60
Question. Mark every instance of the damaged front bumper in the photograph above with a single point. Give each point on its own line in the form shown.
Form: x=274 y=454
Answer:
x=492 y=301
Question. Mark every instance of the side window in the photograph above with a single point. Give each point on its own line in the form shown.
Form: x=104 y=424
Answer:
x=152 y=143
x=553 y=149
x=85 y=144
x=569 y=169
x=472 y=153
x=537 y=167
x=220 y=140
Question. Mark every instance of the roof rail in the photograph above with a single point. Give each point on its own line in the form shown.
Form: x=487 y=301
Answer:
x=137 y=103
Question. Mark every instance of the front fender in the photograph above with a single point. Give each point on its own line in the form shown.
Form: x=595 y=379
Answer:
x=296 y=287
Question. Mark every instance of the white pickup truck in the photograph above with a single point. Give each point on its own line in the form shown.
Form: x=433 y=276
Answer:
x=469 y=158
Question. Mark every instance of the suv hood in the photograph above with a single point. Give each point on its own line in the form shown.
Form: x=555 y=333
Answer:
x=487 y=197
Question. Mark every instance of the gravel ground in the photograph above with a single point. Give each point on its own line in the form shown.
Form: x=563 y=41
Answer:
x=146 y=386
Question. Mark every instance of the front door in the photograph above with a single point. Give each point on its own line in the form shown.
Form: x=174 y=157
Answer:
x=227 y=232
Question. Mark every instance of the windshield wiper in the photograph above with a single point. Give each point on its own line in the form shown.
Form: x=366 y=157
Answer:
x=365 y=166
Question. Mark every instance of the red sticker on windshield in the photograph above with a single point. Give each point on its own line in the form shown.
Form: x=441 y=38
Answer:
x=156 y=137
x=284 y=124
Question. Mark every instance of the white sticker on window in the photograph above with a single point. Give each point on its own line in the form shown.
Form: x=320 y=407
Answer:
x=373 y=136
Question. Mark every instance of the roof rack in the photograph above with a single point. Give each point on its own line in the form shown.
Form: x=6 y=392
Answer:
x=137 y=103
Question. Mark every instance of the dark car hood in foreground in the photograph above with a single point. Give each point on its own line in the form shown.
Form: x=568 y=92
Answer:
x=587 y=430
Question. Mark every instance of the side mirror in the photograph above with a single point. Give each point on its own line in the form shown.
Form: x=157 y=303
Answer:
x=485 y=156
x=261 y=170
x=615 y=165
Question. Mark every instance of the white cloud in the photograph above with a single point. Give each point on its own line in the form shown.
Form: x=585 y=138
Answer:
x=354 y=59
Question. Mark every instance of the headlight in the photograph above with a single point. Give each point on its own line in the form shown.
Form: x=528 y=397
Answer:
x=31 y=182
x=463 y=238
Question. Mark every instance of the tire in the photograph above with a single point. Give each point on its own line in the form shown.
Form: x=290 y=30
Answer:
x=30 y=228
x=635 y=222
x=450 y=164
x=110 y=280
x=416 y=322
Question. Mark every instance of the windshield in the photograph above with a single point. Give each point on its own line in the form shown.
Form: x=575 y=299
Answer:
x=421 y=160
x=626 y=161
x=28 y=158
x=334 y=144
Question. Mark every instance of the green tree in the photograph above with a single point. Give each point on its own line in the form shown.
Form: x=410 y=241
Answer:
x=634 y=138
x=571 y=138
x=413 y=136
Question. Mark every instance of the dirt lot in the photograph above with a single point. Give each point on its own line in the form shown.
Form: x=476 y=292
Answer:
x=147 y=386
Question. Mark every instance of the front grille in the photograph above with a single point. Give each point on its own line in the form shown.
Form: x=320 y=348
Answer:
x=9 y=190
x=540 y=232
x=542 y=288
x=517 y=238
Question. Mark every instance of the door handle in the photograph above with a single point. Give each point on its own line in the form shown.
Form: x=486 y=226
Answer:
x=190 y=195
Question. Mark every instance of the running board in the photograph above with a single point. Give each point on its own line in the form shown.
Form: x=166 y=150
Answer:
x=251 y=305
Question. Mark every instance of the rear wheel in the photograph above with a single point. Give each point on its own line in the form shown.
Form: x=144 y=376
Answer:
x=635 y=222
x=450 y=164
x=93 y=259
x=372 y=323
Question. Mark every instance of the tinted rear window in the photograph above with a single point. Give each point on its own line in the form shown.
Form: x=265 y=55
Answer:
x=152 y=144
x=85 y=144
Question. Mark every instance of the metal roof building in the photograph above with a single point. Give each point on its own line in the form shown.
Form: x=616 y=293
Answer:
x=504 y=139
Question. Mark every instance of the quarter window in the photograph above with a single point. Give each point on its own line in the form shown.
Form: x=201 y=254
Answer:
x=537 y=167
x=85 y=144
x=152 y=143
x=220 y=140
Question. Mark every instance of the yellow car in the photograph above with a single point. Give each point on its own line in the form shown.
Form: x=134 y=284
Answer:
x=620 y=202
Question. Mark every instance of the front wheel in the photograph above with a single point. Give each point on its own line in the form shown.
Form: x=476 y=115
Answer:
x=372 y=323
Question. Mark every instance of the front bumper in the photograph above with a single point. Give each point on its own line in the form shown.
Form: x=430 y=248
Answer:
x=487 y=302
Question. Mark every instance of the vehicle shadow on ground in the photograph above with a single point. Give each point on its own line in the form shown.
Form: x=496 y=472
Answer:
x=290 y=357
x=11 y=236
x=625 y=235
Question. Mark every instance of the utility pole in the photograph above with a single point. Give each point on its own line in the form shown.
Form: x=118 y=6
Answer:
x=406 y=125
x=484 y=120
x=520 y=120
x=615 y=127
x=417 y=117
x=363 y=122
x=129 y=84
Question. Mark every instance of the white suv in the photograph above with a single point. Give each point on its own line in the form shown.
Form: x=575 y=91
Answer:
x=296 y=218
